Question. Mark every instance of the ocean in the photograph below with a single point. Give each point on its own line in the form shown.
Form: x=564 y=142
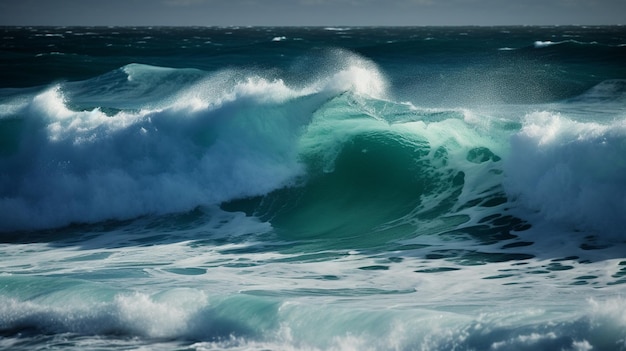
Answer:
x=338 y=188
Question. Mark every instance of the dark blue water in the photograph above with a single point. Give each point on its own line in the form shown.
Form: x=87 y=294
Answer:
x=424 y=188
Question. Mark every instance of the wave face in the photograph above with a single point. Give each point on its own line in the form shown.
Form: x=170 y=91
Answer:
x=313 y=189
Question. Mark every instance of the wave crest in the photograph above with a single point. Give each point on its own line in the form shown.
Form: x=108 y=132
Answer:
x=226 y=135
x=573 y=172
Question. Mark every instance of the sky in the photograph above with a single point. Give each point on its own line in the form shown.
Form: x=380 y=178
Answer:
x=310 y=12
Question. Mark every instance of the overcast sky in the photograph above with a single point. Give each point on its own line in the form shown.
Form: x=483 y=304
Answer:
x=311 y=12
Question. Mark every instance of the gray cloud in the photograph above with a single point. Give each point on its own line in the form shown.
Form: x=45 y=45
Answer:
x=310 y=12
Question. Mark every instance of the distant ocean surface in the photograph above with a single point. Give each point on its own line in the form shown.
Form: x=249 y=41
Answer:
x=425 y=188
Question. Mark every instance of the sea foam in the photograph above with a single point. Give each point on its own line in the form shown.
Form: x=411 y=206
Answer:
x=572 y=172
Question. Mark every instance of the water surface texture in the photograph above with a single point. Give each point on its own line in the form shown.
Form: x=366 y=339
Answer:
x=313 y=188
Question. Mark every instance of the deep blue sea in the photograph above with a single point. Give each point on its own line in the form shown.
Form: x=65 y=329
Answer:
x=411 y=188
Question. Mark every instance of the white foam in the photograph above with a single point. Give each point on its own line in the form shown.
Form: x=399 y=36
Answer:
x=572 y=172
x=167 y=315
x=161 y=316
x=539 y=44
x=542 y=44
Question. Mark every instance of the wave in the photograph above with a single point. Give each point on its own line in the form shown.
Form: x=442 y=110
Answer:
x=145 y=140
x=192 y=142
x=572 y=172
x=75 y=309
x=543 y=44
x=387 y=169
x=87 y=166
x=547 y=43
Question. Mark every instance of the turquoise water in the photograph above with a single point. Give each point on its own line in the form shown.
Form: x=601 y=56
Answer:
x=313 y=188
